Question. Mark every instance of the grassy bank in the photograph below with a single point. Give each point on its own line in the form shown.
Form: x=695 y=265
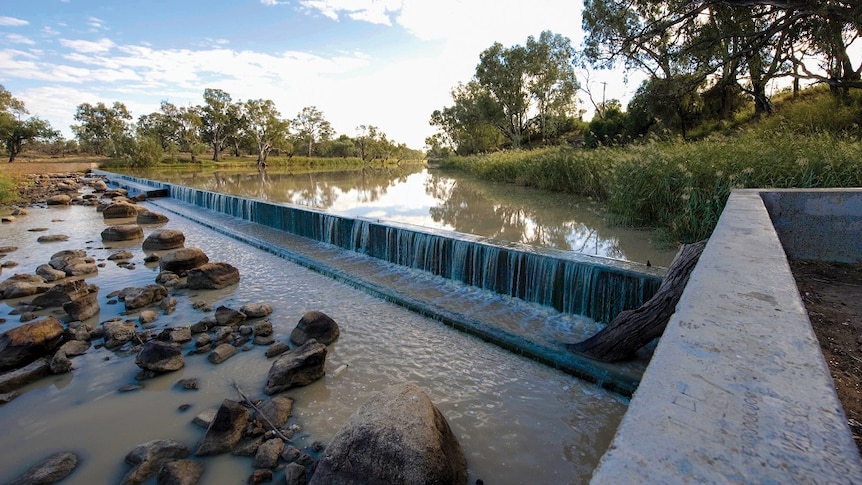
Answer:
x=681 y=187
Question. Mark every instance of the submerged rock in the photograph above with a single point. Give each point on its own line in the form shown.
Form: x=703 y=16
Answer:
x=299 y=367
x=225 y=430
x=315 y=325
x=158 y=356
x=147 y=458
x=50 y=470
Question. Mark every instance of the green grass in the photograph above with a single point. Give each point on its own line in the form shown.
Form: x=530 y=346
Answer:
x=8 y=192
x=680 y=188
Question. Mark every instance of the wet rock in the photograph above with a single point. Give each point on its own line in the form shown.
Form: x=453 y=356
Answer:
x=315 y=325
x=225 y=430
x=20 y=211
x=161 y=239
x=277 y=348
x=290 y=454
x=74 y=348
x=49 y=273
x=180 y=472
x=21 y=285
x=222 y=353
x=268 y=453
x=212 y=276
x=228 y=316
x=274 y=411
x=205 y=418
x=256 y=310
x=147 y=458
x=50 y=470
x=99 y=185
x=7 y=219
x=8 y=249
x=168 y=279
x=148 y=217
x=63 y=293
x=398 y=436
x=260 y=476
x=299 y=367
x=7 y=397
x=294 y=474
x=158 y=356
x=263 y=329
x=120 y=210
x=120 y=256
x=60 y=199
x=248 y=446
x=31 y=372
x=122 y=232
x=181 y=260
x=168 y=305
x=190 y=384
x=148 y=316
x=135 y=298
x=26 y=343
x=176 y=335
x=60 y=363
x=81 y=267
x=49 y=238
x=117 y=333
x=84 y=307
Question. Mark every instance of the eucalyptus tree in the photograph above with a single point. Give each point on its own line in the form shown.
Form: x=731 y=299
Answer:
x=465 y=126
x=262 y=124
x=312 y=127
x=101 y=129
x=551 y=79
x=17 y=130
x=218 y=119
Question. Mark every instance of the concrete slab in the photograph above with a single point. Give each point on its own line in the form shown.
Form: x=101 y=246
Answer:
x=737 y=390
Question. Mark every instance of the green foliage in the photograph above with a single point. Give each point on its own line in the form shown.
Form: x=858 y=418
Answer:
x=141 y=151
x=8 y=191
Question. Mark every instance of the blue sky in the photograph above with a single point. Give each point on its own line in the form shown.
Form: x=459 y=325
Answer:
x=387 y=63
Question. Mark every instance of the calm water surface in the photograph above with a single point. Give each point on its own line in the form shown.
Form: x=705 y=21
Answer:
x=518 y=421
x=444 y=200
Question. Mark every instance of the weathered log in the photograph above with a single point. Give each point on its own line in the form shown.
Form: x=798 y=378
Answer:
x=632 y=329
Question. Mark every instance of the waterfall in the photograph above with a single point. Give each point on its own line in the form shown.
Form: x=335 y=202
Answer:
x=598 y=288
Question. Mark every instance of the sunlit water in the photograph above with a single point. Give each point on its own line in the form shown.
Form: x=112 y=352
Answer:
x=518 y=421
x=444 y=200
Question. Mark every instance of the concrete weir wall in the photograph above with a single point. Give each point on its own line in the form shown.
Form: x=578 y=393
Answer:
x=737 y=390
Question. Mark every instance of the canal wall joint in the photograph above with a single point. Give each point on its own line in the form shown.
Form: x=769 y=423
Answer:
x=737 y=390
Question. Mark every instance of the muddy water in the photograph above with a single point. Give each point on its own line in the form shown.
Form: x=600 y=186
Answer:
x=444 y=200
x=518 y=421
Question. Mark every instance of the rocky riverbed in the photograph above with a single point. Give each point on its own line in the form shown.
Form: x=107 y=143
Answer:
x=57 y=307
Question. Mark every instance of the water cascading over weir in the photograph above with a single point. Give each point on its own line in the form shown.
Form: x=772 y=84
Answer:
x=594 y=287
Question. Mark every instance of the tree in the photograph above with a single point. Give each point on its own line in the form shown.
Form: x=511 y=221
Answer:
x=15 y=130
x=262 y=124
x=218 y=116
x=312 y=127
x=551 y=82
x=502 y=71
x=101 y=129
x=465 y=126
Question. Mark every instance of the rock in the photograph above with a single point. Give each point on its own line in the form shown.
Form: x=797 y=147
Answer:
x=190 y=384
x=99 y=185
x=33 y=371
x=49 y=273
x=294 y=474
x=63 y=293
x=49 y=238
x=248 y=446
x=228 y=316
x=290 y=453
x=180 y=472
x=120 y=256
x=20 y=211
x=299 y=367
x=81 y=268
x=225 y=430
x=263 y=340
x=83 y=307
x=181 y=260
x=205 y=418
x=148 y=217
x=176 y=335
x=7 y=219
x=8 y=249
x=256 y=310
x=268 y=453
x=61 y=199
x=158 y=356
x=21 y=285
x=135 y=298
x=262 y=329
x=274 y=411
x=148 y=316
x=24 y=344
x=277 y=348
x=60 y=363
x=118 y=332
x=147 y=458
x=398 y=436
x=164 y=239
x=168 y=279
x=222 y=353
x=260 y=476
x=7 y=397
x=122 y=232
x=315 y=325
x=74 y=348
x=212 y=276
x=120 y=210
x=168 y=305
x=50 y=470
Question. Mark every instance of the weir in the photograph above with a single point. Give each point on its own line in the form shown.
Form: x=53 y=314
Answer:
x=595 y=287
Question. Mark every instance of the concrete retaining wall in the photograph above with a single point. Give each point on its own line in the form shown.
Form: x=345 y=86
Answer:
x=738 y=390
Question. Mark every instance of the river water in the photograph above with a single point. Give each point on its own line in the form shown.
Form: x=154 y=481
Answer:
x=517 y=421
x=441 y=199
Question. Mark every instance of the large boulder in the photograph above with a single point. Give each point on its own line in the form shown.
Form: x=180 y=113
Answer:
x=9 y=381
x=120 y=210
x=122 y=232
x=83 y=307
x=21 y=285
x=181 y=260
x=59 y=199
x=212 y=276
x=398 y=436
x=315 y=325
x=134 y=297
x=225 y=430
x=158 y=356
x=164 y=239
x=50 y=470
x=147 y=458
x=118 y=332
x=299 y=367
x=63 y=293
x=180 y=472
x=24 y=344
x=148 y=217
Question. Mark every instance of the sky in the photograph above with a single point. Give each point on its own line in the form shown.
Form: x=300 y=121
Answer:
x=386 y=63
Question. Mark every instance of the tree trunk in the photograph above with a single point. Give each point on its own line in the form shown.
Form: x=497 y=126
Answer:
x=632 y=329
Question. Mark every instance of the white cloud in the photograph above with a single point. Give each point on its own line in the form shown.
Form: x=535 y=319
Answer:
x=12 y=22
x=373 y=11
x=95 y=23
x=88 y=47
x=19 y=39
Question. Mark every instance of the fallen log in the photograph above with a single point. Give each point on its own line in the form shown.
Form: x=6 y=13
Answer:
x=632 y=329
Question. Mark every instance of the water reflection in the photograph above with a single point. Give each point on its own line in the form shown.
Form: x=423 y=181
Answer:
x=440 y=199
